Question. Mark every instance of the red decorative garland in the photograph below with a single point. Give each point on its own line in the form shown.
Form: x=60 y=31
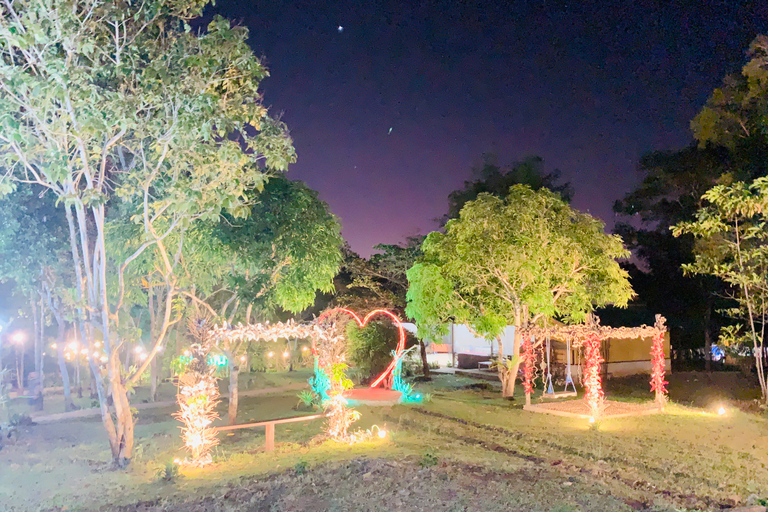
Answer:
x=658 y=384
x=593 y=389
x=528 y=368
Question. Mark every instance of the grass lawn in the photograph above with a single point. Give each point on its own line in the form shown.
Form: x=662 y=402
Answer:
x=467 y=449
x=166 y=391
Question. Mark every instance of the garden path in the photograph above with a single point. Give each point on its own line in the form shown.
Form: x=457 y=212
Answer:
x=95 y=411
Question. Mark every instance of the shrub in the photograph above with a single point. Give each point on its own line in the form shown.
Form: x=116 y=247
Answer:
x=168 y=473
x=370 y=348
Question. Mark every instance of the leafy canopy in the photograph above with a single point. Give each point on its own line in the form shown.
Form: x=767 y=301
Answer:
x=492 y=178
x=287 y=249
x=527 y=249
x=732 y=244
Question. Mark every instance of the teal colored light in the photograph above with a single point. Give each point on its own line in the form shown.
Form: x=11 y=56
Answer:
x=218 y=360
x=320 y=383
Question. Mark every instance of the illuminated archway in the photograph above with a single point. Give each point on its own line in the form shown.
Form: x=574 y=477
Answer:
x=362 y=323
x=314 y=331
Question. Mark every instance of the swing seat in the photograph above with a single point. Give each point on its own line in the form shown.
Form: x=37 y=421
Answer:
x=559 y=394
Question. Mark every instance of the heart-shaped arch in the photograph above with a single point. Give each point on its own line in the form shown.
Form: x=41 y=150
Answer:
x=363 y=323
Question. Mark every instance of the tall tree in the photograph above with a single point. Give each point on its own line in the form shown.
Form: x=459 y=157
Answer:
x=670 y=192
x=493 y=178
x=278 y=258
x=108 y=104
x=515 y=260
x=736 y=116
x=733 y=245
x=33 y=255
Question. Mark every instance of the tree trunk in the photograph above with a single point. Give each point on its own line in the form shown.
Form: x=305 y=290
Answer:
x=508 y=374
x=154 y=377
x=234 y=371
x=61 y=339
x=20 y=369
x=708 y=333
x=153 y=370
x=424 y=362
x=37 y=314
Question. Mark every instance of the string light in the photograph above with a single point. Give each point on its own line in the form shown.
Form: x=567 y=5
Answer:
x=286 y=354
x=270 y=354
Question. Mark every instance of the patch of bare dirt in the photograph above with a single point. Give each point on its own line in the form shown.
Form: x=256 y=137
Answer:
x=386 y=485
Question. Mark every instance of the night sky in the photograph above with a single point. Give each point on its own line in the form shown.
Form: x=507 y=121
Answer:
x=588 y=88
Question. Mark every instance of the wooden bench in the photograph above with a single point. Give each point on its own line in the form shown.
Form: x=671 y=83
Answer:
x=269 y=426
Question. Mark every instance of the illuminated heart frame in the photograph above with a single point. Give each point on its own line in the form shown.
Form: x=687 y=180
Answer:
x=362 y=323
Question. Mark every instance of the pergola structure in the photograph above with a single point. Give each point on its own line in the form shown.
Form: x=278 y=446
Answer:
x=328 y=342
x=590 y=335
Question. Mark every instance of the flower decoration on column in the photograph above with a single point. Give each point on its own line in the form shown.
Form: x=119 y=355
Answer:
x=197 y=397
x=593 y=389
x=658 y=364
x=529 y=362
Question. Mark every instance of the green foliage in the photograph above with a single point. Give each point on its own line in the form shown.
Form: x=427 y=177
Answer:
x=308 y=398
x=732 y=244
x=301 y=467
x=168 y=472
x=530 y=249
x=492 y=178
x=287 y=249
x=429 y=459
x=737 y=109
x=128 y=117
x=338 y=377
x=370 y=347
x=379 y=282
x=178 y=365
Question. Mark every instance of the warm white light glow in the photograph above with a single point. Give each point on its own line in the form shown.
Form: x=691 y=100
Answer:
x=84 y=351
x=53 y=346
x=143 y=356
x=721 y=411
x=18 y=337
x=103 y=359
x=242 y=358
x=98 y=344
x=186 y=353
x=591 y=419
x=72 y=345
x=286 y=354
x=270 y=354
x=304 y=348
x=382 y=434
x=138 y=350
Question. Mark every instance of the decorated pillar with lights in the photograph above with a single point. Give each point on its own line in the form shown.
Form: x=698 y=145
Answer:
x=658 y=363
x=529 y=361
x=593 y=388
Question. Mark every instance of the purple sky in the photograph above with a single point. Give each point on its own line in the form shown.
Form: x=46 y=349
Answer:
x=588 y=88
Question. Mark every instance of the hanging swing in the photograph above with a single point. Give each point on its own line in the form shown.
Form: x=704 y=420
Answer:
x=549 y=390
